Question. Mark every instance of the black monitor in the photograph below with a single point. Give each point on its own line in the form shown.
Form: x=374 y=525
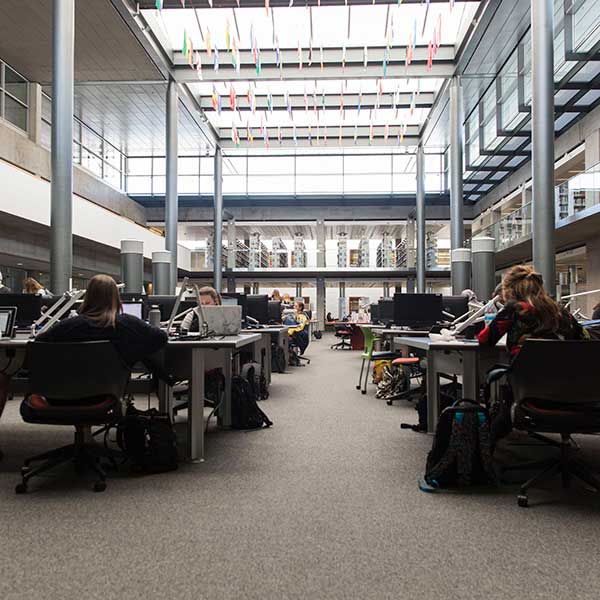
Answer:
x=375 y=312
x=241 y=301
x=166 y=304
x=417 y=310
x=29 y=307
x=274 y=311
x=258 y=307
x=386 y=310
x=455 y=305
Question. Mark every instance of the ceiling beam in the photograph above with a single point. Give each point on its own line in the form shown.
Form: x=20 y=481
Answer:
x=150 y=4
x=332 y=102
x=442 y=67
x=333 y=132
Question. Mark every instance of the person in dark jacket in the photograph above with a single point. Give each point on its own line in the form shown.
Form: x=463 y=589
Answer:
x=101 y=318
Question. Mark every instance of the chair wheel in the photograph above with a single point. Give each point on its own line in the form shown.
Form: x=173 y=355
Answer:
x=363 y=391
x=24 y=471
x=522 y=501
x=21 y=488
x=390 y=402
x=99 y=486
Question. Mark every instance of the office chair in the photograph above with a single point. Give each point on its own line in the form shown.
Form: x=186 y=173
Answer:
x=369 y=355
x=79 y=384
x=412 y=370
x=555 y=390
x=344 y=333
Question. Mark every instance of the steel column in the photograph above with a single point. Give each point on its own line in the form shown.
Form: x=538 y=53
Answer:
x=132 y=266
x=421 y=259
x=542 y=134
x=218 y=220
x=161 y=273
x=61 y=211
x=171 y=198
x=456 y=165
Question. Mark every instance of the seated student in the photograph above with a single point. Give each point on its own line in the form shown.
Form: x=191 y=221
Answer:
x=101 y=318
x=298 y=331
x=32 y=286
x=208 y=297
x=285 y=299
x=529 y=312
x=276 y=296
x=329 y=317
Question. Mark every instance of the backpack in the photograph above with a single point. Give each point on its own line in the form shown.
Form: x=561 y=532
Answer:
x=461 y=453
x=277 y=358
x=245 y=412
x=256 y=377
x=393 y=382
x=147 y=438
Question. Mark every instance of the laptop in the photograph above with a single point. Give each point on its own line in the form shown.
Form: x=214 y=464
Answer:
x=223 y=320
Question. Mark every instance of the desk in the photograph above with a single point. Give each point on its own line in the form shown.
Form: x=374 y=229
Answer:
x=188 y=360
x=185 y=360
x=462 y=357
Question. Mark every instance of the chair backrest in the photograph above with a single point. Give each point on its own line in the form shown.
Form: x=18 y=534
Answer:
x=68 y=371
x=369 y=338
x=557 y=371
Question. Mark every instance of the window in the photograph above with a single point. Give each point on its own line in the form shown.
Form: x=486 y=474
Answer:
x=13 y=97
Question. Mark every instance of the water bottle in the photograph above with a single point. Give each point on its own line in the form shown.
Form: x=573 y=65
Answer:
x=154 y=316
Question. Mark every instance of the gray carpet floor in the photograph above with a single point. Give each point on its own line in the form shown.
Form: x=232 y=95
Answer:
x=323 y=505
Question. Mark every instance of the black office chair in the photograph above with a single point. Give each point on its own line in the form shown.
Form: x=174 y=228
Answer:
x=79 y=384
x=555 y=390
x=344 y=333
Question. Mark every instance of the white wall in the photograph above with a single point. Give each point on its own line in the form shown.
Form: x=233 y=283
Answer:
x=27 y=196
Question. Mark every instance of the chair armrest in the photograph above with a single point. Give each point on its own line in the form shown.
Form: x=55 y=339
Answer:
x=496 y=373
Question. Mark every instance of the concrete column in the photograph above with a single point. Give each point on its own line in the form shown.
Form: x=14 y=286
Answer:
x=456 y=165
x=386 y=289
x=34 y=113
x=410 y=285
x=342 y=307
x=421 y=259
x=231 y=284
x=161 y=274
x=542 y=134
x=398 y=288
x=247 y=288
x=218 y=220
x=320 y=306
x=172 y=198
x=231 y=244
x=484 y=268
x=461 y=270
x=321 y=247
x=298 y=289
x=61 y=211
x=132 y=266
x=410 y=243
x=255 y=288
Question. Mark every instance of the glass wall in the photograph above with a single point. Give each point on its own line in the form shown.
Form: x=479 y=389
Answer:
x=14 y=97
x=248 y=173
x=90 y=150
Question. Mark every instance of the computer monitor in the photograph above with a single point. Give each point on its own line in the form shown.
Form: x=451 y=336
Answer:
x=240 y=299
x=274 y=311
x=229 y=301
x=455 y=305
x=417 y=310
x=166 y=304
x=386 y=310
x=29 y=307
x=133 y=308
x=258 y=307
x=7 y=320
x=374 y=312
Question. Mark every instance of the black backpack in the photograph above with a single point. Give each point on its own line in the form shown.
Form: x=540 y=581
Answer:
x=245 y=412
x=147 y=438
x=461 y=454
x=277 y=358
x=255 y=374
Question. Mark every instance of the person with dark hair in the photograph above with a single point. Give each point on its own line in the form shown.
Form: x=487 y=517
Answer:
x=101 y=318
x=596 y=313
x=529 y=312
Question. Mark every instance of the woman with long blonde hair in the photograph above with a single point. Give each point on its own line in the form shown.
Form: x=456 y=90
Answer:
x=529 y=312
